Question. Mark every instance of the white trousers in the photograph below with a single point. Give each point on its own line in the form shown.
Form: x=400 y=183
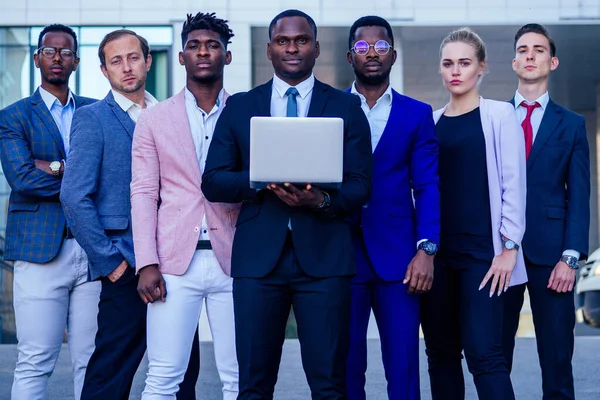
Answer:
x=172 y=324
x=47 y=298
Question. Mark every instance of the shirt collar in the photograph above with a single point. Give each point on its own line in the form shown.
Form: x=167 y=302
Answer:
x=542 y=100
x=304 y=87
x=49 y=99
x=387 y=95
x=126 y=104
x=189 y=97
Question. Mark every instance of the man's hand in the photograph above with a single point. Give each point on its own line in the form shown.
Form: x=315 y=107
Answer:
x=419 y=273
x=294 y=197
x=118 y=272
x=562 y=278
x=44 y=166
x=501 y=269
x=151 y=285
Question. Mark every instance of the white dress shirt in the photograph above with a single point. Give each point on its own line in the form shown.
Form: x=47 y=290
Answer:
x=538 y=113
x=536 y=121
x=378 y=115
x=62 y=115
x=131 y=108
x=279 y=99
x=202 y=127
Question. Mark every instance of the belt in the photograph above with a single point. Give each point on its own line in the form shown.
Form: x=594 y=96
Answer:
x=203 y=245
x=68 y=234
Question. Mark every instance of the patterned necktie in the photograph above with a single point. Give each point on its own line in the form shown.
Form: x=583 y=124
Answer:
x=292 y=103
x=527 y=127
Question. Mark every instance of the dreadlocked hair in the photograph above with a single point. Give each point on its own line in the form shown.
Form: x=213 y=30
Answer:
x=207 y=21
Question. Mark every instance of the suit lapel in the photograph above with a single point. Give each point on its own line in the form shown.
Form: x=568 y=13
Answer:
x=42 y=111
x=318 y=100
x=181 y=125
x=550 y=121
x=121 y=115
x=393 y=123
x=263 y=101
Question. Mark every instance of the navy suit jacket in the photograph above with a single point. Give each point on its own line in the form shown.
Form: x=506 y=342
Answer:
x=558 y=188
x=321 y=238
x=35 y=226
x=95 y=189
x=405 y=164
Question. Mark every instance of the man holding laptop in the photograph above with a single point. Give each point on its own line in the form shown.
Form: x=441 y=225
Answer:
x=292 y=245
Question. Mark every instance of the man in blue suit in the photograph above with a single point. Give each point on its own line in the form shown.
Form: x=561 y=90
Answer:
x=95 y=197
x=558 y=212
x=394 y=240
x=310 y=266
x=51 y=290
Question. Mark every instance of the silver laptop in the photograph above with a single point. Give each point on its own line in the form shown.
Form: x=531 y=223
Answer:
x=296 y=150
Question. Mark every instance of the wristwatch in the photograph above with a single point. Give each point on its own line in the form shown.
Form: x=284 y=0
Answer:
x=55 y=168
x=509 y=244
x=428 y=247
x=326 y=201
x=571 y=261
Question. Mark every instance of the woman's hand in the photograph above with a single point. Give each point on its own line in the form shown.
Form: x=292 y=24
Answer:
x=501 y=271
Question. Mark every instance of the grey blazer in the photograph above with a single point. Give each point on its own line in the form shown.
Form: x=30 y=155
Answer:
x=95 y=187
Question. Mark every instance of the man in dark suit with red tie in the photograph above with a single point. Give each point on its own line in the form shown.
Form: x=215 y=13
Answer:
x=558 y=212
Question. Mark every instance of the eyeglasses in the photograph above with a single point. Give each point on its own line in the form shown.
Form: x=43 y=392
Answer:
x=50 y=52
x=362 y=47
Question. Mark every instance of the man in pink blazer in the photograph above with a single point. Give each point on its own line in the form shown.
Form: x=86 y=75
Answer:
x=182 y=241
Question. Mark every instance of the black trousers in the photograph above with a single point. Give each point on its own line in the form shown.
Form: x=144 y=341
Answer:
x=121 y=344
x=554 y=321
x=322 y=310
x=457 y=316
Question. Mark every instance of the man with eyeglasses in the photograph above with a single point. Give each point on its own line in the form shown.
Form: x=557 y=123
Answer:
x=394 y=237
x=51 y=290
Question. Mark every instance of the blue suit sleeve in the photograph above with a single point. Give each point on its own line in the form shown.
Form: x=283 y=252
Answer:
x=80 y=183
x=18 y=161
x=425 y=181
x=224 y=180
x=578 y=194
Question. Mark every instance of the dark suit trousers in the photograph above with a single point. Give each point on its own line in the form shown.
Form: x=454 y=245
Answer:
x=121 y=344
x=397 y=316
x=554 y=321
x=322 y=310
x=456 y=316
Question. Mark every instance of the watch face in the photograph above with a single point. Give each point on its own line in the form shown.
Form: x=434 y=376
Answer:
x=509 y=244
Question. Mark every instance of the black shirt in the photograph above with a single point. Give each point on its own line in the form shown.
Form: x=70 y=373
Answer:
x=465 y=201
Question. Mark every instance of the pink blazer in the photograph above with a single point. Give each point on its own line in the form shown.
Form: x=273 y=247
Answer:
x=506 y=168
x=165 y=166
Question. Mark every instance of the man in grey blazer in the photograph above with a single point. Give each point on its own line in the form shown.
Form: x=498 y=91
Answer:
x=95 y=196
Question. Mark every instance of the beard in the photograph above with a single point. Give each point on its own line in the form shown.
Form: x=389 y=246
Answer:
x=372 y=80
x=129 y=89
x=57 y=79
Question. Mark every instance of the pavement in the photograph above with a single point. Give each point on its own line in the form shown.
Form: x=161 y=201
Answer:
x=292 y=382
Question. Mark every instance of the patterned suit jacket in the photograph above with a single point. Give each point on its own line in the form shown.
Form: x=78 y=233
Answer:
x=36 y=224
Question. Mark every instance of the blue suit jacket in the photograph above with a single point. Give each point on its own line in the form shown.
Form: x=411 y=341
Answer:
x=558 y=188
x=95 y=189
x=321 y=239
x=405 y=164
x=36 y=224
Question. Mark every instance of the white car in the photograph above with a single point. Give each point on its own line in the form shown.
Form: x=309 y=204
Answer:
x=588 y=291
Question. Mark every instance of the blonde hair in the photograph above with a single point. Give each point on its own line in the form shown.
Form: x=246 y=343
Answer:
x=466 y=35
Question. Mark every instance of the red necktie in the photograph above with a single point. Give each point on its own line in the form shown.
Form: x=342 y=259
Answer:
x=527 y=128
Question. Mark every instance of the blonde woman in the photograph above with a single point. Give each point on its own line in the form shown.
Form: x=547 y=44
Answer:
x=482 y=177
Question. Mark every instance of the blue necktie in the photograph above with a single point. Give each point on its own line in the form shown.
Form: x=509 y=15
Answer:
x=292 y=104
